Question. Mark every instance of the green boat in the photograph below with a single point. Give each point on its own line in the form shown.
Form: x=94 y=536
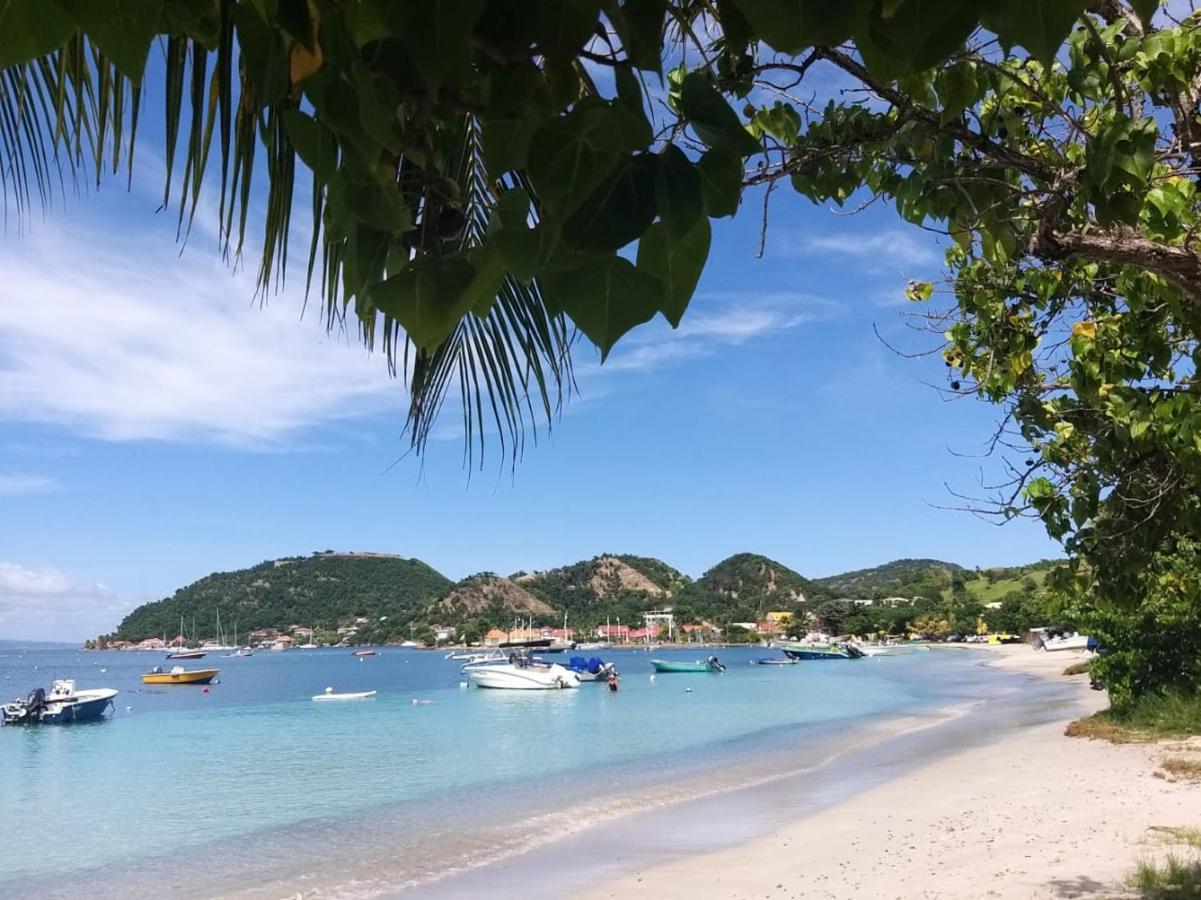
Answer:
x=709 y=665
x=820 y=651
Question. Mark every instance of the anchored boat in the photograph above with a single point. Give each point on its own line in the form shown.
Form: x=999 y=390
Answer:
x=709 y=665
x=179 y=675
x=357 y=695
x=524 y=675
x=63 y=704
x=820 y=651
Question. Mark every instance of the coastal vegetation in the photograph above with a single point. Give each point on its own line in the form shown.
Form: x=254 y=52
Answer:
x=490 y=177
x=379 y=598
x=1174 y=714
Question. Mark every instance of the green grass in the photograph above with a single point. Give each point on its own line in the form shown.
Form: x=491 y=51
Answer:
x=981 y=590
x=1153 y=718
x=1174 y=877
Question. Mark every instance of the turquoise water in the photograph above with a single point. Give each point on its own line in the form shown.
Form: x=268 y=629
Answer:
x=200 y=793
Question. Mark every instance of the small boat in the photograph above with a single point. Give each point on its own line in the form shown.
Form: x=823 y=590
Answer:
x=366 y=653
x=820 y=651
x=709 y=665
x=594 y=645
x=63 y=704
x=524 y=675
x=592 y=669
x=883 y=649
x=773 y=661
x=1064 y=641
x=186 y=654
x=358 y=695
x=179 y=675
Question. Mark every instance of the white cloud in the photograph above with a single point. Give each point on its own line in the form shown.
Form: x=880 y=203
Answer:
x=703 y=331
x=124 y=339
x=15 y=484
x=906 y=250
x=45 y=604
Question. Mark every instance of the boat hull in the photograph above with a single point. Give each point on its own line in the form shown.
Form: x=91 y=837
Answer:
x=360 y=695
x=196 y=676
x=665 y=665
x=817 y=653
x=524 y=678
x=774 y=662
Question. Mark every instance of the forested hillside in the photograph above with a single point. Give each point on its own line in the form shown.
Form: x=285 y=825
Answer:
x=322 y=591
x=607 y=587
x=391 y=598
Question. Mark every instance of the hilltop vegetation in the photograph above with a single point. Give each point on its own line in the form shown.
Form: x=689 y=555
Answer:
x=607 y=587
x=390 y=598
x=323 y=590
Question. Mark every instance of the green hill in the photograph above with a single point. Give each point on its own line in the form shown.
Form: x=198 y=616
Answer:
x=492 y=597
x=324 y=590
x=610 y=586
x=745 y=587
x=899 y=578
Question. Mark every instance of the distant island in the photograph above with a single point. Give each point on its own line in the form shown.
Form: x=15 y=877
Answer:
x=349 y=598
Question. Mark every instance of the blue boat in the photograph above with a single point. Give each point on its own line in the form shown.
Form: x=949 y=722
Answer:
x=820 y=651
x=63 y=704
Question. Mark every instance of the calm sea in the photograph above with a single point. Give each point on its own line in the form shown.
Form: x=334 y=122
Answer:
x=251 y=788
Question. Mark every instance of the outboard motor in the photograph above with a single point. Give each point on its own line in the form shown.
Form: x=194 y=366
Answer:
x=36 y=702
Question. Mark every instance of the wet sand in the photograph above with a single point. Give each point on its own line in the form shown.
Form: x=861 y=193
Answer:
x=1029 y=813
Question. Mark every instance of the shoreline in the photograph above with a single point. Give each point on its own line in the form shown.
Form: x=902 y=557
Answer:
x=1030 y=814
x=608 y=860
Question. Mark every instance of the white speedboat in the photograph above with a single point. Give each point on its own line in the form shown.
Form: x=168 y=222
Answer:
x=1071 y=641
x=882 y=649
x=523 y=675
x=358 y=695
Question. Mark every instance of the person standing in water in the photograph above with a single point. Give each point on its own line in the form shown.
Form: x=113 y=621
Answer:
x=613 y=682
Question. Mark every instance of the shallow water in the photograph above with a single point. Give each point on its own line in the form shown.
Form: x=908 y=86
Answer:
x=252 y=788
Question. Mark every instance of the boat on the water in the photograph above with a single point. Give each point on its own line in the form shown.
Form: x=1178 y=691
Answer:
x=366 y=653
x=773 y=661
x=594 y=645
x=668 y=665
x=883 y=649
x=807 y=651
x=186 y=654
x=179 y=675
x=524 y=675
x=592 y=668
x=63 y=704
x=356 y=695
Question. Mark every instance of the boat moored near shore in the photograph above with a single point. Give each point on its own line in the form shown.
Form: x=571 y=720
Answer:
x=179 y=675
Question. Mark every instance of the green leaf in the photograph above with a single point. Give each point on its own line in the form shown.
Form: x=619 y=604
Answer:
x=313 y=141
x=677 y=261
x=1040 y=26
x=714 y=121
x=507 y=143
x=563 y=27
x=31 y=28
x=438 y=35
x=721 y=182
x=570 y=155
x=521 y=249
x=639 y=24
x=914 y=35
x=792 y=25
x=122 y=29
x=619 y=210
x=606 y=298
x=678 y=193
x=428 y=297
x=957 y=89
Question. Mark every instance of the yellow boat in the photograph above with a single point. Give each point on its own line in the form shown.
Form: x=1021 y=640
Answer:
x=179 y=675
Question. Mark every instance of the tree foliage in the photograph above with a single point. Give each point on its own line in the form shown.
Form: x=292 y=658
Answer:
x=488 y=176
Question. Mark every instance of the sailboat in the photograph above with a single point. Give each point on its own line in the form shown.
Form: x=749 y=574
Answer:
x=216 y=645
x=183 y=651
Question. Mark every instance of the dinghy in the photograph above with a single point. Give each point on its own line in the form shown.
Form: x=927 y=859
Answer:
x=357 y=695
x=709 y=665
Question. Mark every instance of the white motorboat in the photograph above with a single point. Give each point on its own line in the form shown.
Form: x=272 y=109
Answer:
x=594 y=645
x=523 y=675
x=357 y=695
x=882 y=649
x=1072 y=641
x=63 y=704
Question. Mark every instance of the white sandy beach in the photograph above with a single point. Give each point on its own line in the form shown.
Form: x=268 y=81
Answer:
x=1035 y=814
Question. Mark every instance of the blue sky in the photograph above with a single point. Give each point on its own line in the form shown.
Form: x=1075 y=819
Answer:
x=158 y=424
